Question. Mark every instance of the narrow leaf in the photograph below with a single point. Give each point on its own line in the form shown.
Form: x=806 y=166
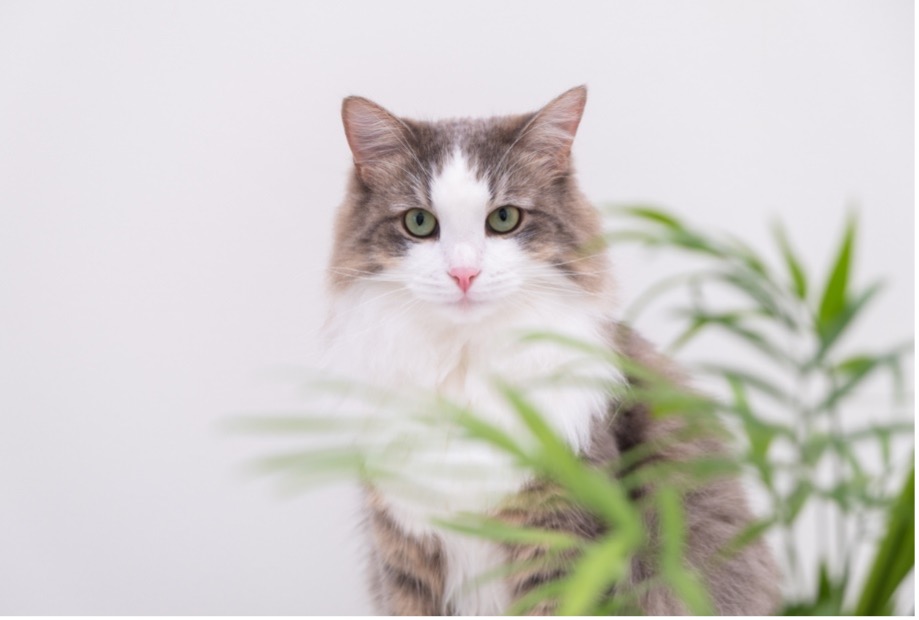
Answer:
x=833 y=330
x=795 y=270
x=833 y=300
x=601 y=565
x=895 y=556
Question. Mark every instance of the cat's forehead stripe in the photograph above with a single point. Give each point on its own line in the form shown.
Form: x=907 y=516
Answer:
x=456 y=189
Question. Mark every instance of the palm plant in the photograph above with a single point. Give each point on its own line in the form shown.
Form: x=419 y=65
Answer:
x=789 y=411
x=784 y=416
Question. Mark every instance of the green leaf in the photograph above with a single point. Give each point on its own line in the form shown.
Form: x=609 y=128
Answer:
x=795 y=270
x=829 y=592
x=833 y=300
x=854 y=372
x=689 y=240
x=633 y=236
x=315 y=460
x=591 y=487
x=760 y=434
x=478 y=428
x=749 y=534
x=685 y=474
x=829 y=333
x=546 y=591
x=657 y=289
x=895 y=557
x=795 y=502
x=878 y=430
x=699 y=319
x=759 y=383
x=312 y=467
x=683 y=581
x=654 y=215
x=601 y=565
x=750 y=336
x=309 y=424
x=748 y=257
x=692 y=330
x=493 y=529
x=763 y=292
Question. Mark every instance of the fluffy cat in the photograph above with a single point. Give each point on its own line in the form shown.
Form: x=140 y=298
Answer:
x=455 y=238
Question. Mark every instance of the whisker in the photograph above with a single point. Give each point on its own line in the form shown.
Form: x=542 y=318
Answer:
x=383 y=324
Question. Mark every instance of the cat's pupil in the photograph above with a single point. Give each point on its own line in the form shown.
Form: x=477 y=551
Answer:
x=419 y=218
x=502 y=213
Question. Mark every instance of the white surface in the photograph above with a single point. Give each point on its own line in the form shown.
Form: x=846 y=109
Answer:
x=168 y=175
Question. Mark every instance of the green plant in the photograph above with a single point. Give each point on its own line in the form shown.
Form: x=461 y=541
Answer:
x=784 y=414
x=796 y=327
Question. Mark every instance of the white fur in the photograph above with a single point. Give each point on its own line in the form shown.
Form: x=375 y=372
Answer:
x=411 y=330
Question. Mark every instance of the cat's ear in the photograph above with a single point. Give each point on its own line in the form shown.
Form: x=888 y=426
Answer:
x=550 y=133
x=377 y=138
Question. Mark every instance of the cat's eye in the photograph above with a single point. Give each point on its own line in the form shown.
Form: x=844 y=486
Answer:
x=504 y=219
x=420 y=223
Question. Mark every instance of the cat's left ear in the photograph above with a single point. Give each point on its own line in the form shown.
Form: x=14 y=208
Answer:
x=551 y=131
x=377 y=138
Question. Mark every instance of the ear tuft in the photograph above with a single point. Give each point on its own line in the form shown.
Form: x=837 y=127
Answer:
x=551 y=131
x=566 y=110
x=373 y=133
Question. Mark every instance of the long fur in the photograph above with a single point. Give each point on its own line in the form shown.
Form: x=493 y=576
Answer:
x=398 y=321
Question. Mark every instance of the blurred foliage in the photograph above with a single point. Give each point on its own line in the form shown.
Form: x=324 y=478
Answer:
x=782 y=413
x=788 y=404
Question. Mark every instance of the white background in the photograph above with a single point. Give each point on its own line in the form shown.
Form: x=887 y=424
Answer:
x=168 y=177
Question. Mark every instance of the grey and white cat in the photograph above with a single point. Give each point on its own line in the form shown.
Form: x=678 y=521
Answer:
x=456 y=237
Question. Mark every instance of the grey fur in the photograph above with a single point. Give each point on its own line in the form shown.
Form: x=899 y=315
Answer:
x=526 y=160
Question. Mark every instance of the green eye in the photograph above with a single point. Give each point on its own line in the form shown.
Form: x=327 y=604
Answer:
x=420 y=223
x=504 y=219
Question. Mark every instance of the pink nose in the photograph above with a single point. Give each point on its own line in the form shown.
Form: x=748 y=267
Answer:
x=464 y=276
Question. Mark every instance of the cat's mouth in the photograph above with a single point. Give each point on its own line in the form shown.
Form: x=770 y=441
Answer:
x=467 y=303
x=467 y=308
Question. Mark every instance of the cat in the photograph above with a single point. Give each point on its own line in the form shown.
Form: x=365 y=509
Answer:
x=456 y=237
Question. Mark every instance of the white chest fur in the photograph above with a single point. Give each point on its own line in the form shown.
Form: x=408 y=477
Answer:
x=375 y=337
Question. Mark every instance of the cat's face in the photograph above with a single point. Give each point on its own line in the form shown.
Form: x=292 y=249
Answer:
x=467 y=216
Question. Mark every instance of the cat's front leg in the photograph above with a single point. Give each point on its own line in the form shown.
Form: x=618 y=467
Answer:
x=406 y=573
x=533 y=566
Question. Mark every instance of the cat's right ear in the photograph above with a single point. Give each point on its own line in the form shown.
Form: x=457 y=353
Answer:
x=378 y=140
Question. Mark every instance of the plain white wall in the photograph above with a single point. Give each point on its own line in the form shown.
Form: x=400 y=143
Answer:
x=168 y=176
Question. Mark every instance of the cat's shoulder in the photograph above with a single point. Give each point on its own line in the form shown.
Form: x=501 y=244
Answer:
x=630 y=421
x=635 y=348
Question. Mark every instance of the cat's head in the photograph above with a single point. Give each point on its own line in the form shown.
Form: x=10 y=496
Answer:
x=468 y=216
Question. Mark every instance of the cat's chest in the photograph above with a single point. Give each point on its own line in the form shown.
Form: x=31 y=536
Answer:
x=439 y=470
x=435 y=471
x=467 y=366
